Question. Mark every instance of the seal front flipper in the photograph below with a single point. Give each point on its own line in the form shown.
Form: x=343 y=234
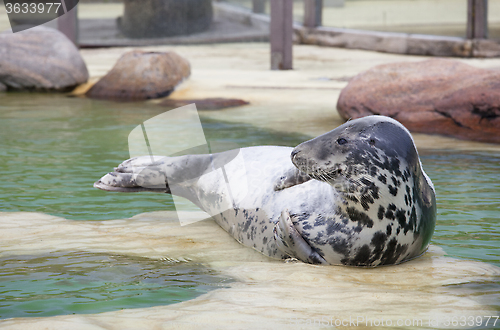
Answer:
x=289 y=241
x=291 y=178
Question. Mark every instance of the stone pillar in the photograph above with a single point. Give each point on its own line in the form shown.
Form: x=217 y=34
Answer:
x=164 y=18
x=281 y=34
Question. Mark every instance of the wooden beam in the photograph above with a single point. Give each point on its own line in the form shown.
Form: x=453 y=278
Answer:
x=68 y=24
x=313 y=10
x=477 y=19
x=259 y=6
x=281 y=34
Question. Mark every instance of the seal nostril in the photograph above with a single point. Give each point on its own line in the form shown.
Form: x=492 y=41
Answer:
x=294 y=153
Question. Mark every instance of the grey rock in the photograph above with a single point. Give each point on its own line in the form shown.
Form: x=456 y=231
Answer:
x=40 y=58
x=398 y=43
x=486 y=48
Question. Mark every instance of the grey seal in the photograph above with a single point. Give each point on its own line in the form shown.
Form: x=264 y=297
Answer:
x=357 y=195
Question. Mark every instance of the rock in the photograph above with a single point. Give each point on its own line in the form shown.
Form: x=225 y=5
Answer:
x=165 y=18
x=486 y=48
x=205 y=104
x=436 y=96
x=140 y=75
x=390 y=42
x=3 y=88
x=40 y=58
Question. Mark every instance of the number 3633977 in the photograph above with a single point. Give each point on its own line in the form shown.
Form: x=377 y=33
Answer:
x=32 y=7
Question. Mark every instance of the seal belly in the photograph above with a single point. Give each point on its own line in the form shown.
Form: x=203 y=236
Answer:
x=253 y=217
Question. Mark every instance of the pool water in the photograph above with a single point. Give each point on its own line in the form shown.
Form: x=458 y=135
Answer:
x=468 y=196
x=88 y=283
x=54 y=148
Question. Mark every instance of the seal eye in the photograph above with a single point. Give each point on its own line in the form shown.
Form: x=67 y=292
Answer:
x=341 y=141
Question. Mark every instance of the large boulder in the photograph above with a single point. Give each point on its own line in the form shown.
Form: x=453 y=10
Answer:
x=436 y=96
x=40 y=59
x=140 y=75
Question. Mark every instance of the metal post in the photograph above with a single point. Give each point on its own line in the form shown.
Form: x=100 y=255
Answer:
x=259 y=6
x=281 y=34
x=477 y=19
x=68 y=24
x=313 y=10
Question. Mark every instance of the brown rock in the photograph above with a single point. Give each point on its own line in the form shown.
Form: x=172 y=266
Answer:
x=435 y=96
x=205 y=104
x=142 y=75
x=40 y=59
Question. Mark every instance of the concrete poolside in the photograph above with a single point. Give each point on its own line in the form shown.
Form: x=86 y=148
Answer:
x=268 y=294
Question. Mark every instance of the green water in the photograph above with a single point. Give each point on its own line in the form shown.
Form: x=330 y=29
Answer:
x=53 y=148
x=468 y=190
x=81 y=283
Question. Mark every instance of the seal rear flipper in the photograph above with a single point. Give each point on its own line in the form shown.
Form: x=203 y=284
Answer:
x=289 y=241
x=291 y=178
